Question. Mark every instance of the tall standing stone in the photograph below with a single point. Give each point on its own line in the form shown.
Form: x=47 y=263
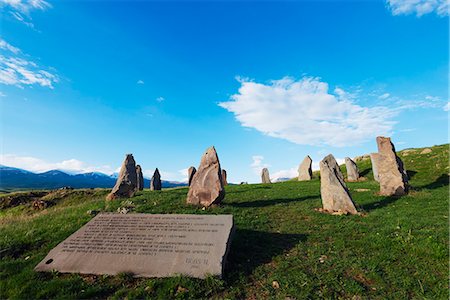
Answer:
x=334 y=192
x=352 y=169
x=374 y=159
x=305 y=170
x=155 y=182
x=126 y=184
x=207 y=187
x=140 y=178
x=265 y=178
x=392 y=175
x=224 y=177
x=191 y=172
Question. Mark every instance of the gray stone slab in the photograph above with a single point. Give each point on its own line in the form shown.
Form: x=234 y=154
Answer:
x=146 y=245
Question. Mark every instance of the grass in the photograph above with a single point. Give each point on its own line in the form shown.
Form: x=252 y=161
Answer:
x=398 y=249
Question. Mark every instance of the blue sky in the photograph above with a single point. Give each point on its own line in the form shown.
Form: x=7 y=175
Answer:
x=83 y=83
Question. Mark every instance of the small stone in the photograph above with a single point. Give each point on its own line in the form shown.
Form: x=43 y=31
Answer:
x=92 y=212
x=352 y=170
x=126 y=184
x=155 y=182
x=265 y=178
x=275 y=284
x=191 y=172
x=206 y=187
x=334 y=192
x=322 y=258
x=305 y=170
x=426 y=151
x=362 y=190
x=27 y=258
x=39 y=204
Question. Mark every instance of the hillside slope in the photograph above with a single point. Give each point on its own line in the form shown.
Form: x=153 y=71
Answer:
x=282 y=246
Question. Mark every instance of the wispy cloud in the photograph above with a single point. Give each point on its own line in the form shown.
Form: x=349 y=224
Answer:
x=418 y=7
x=38 y=165
x=21 y=9
x=305 y=112
x=384 y=96
x=257 y=165
x=447 y=107
x=160 y=99
x=16 y=69
x=140 y=81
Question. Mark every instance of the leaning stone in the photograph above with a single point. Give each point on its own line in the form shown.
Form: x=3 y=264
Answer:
x=140 y=178
x=126 y=184
x=334 y=192
x=207 y=187
x=265 y=178
x=392 y=175
x=224 y=177
x=374 y=159
x=191 y=172
x=155 y=182
x=305 y=170
x=352 y=169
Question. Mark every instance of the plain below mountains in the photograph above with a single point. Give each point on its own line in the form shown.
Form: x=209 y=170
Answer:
x=19 y=179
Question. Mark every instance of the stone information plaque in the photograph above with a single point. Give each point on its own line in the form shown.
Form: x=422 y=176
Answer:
x=145 y=245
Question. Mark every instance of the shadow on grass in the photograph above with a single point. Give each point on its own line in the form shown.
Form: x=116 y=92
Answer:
x=410 y=173
x=365 y=172
x=250 y=249
x=378 y=204
x=441 y=181
x=251 y=189
x=262 y=203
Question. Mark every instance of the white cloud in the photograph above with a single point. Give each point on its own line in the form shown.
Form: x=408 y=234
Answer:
x=257 y=165
x=140 y=82
x=16 y=69
x=160 y=99
x=21 y=9
x=447 y=107
x=384 y=96
x=305 y=112
x=38 y=165
x=418 y=7
x=290 y=173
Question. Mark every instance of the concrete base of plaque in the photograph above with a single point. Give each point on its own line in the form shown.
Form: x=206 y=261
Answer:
x=145 y=245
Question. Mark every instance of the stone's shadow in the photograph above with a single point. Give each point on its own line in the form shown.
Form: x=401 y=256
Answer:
x=251 y=189
x=262 y=203
x=410 y=174
x=378 y=204
x=250 y=249
x=441 y=181
x=364 y=172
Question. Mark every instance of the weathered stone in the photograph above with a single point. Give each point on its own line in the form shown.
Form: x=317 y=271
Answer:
x=352 y=169
x=335 y=195
x=207 y=187
x=140 y=178
x=265 y=178
x=126 y=184
x=391 y=173
x=155 y=182
x=305 y=170
x=426 y=151
x=145 y=245
x=191 y=172
x=224 y=177
x=374 y=159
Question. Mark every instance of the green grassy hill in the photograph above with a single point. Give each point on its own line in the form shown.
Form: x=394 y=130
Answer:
x=282 y=247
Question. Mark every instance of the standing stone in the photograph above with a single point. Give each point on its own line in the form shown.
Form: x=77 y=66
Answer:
x=305 y=170
x=334 y=192
x=126 y=184
x=140 y=178
x=191 y=172
x=352 y=170
x=155 y=182
x=265 y=178
x=374 y=159
x=392 y=175
x=224 y=177
x=207 y=187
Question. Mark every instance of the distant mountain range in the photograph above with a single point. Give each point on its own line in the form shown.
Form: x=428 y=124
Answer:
x=16 y=179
